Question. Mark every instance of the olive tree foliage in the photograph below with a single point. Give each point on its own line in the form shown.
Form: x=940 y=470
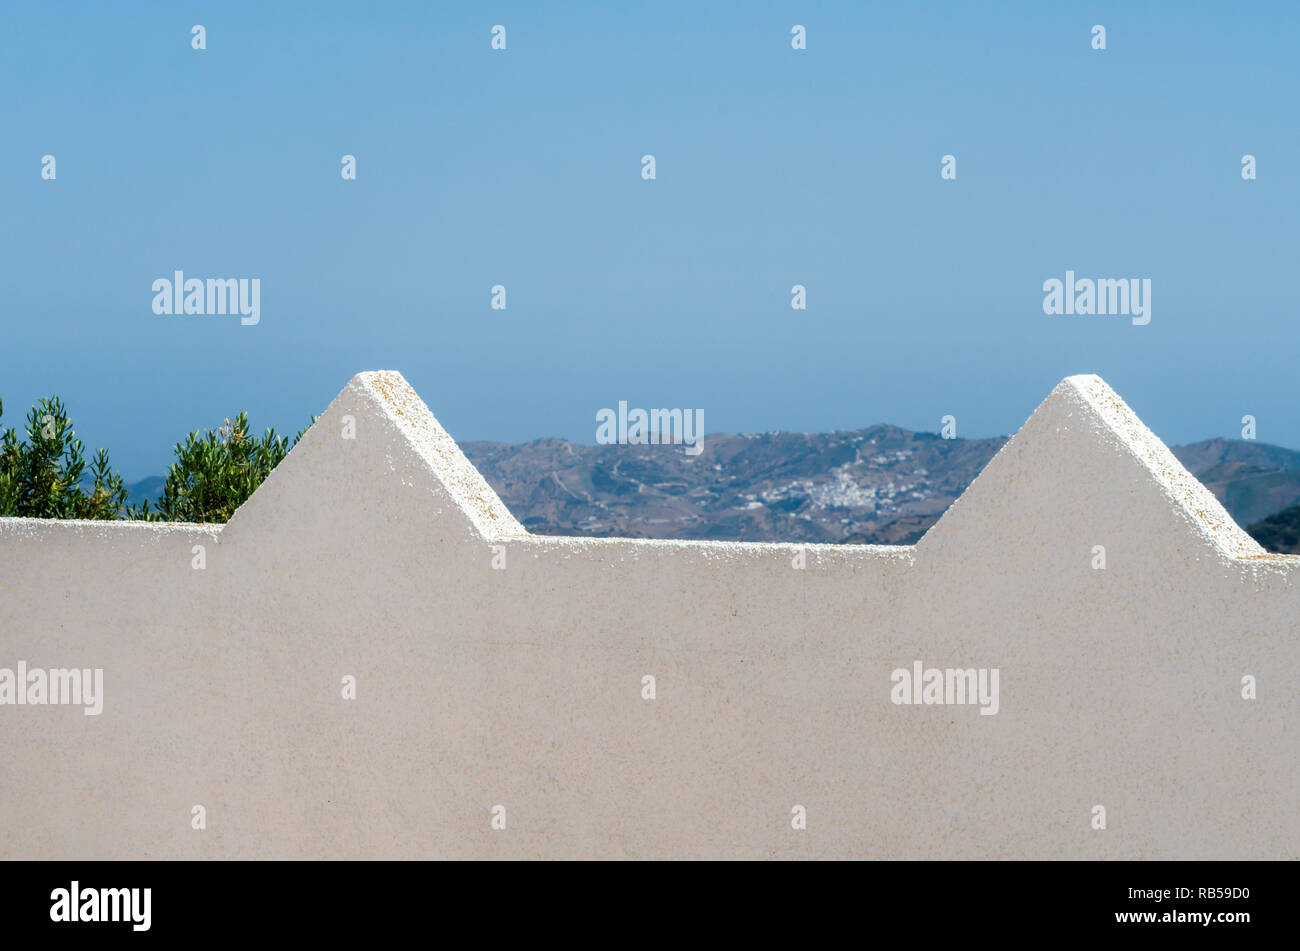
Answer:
x=215 y=473
x=43 y=472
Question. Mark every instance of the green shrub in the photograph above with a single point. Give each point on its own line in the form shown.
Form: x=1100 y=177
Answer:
x=215 y=473
x=44 y=474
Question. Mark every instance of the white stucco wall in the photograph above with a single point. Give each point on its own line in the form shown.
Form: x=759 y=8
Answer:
x=521 y=687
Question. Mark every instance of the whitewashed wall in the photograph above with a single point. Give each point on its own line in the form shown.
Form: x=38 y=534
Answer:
x=477 y=687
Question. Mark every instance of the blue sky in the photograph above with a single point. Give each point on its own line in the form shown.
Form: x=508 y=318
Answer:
x=522 y=168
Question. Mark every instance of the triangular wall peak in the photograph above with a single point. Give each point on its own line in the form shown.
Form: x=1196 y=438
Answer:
x=1084 y=460
x=398 y=400
x=378 y=447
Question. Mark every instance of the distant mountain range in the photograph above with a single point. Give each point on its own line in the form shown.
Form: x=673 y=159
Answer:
x=148 y=488
x=881 y=485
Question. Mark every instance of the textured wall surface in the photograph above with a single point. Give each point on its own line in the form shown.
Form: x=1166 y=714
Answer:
x=522 y=687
